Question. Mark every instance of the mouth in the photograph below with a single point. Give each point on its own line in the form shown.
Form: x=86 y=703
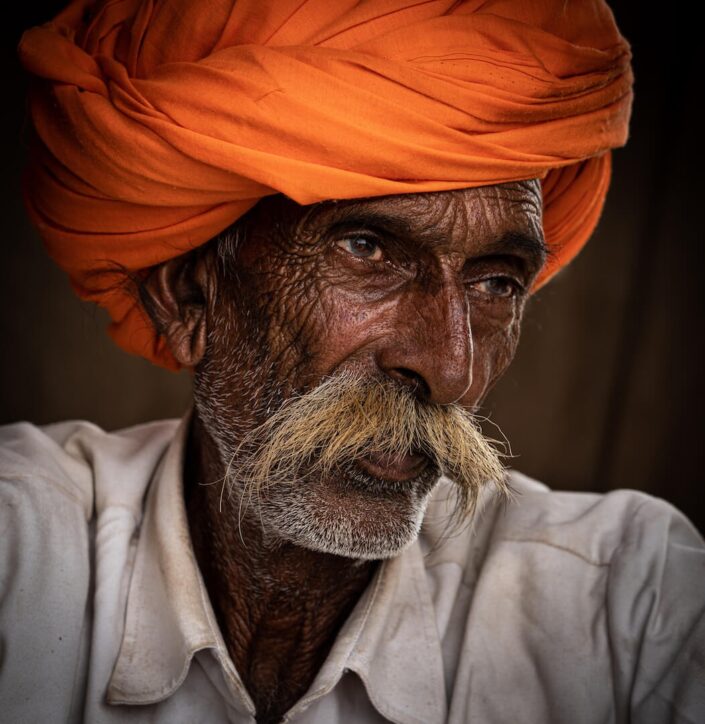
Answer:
x=396 y=468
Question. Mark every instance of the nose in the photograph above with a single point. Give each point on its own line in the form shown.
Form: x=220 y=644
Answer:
x=431 y=348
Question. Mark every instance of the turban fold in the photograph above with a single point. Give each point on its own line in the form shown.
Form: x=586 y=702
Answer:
x=157 y=123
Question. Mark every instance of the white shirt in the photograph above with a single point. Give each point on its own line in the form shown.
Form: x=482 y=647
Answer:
x=556 y=608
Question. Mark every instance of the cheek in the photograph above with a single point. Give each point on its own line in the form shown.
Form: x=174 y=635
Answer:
x=282 y=304
x=291 y=329
x=494 y=344
x=337 y=327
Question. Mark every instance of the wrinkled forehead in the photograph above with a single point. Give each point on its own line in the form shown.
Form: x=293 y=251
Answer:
x=473 y=216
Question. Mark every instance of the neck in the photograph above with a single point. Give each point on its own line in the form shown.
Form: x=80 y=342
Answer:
x=279 y=606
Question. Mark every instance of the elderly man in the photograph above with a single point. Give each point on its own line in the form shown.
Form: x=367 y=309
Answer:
x=333 y=214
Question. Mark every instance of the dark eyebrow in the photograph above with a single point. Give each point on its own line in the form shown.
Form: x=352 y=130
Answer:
x=529 y=245
x=374 y=221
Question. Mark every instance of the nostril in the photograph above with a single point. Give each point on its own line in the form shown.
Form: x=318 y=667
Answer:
x=411 y=379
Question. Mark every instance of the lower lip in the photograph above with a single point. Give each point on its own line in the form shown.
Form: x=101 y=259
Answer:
x=395 y=468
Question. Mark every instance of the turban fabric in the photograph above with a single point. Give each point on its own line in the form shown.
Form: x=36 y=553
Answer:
x=157 y=123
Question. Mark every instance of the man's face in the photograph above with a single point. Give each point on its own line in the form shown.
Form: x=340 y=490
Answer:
x=422 y=293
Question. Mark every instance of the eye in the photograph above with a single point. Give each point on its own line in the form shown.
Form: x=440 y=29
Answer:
x=497 y=286
x=361 y=247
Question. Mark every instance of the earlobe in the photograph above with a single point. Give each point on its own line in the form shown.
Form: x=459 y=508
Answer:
x=187 y=338
x=174 y=296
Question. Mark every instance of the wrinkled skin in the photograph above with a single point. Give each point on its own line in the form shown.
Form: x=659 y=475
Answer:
x=427 y=289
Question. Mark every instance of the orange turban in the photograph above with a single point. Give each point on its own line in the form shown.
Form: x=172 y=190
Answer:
x=158 y=124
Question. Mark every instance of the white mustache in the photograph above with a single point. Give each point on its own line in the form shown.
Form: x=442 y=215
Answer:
x=347 y=417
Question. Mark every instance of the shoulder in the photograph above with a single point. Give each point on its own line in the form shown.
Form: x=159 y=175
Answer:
x=596 y=527
x=611 y=585
x=76 y=463
x=591 y=527
x=60 y=486
x=55 y=480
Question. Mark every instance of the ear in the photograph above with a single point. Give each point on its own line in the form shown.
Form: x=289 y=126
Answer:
x=174 y=296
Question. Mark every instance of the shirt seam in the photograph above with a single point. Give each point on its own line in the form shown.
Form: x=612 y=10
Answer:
x=135 y=512
x=558 y=546
x=673 y=706
x=10 y=477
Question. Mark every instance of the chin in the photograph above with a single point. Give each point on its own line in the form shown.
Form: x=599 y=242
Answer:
x=353 y=514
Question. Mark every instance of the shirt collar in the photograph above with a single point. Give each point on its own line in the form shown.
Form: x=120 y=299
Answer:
x=398 y=654
x=168 y=615
x=390 y=640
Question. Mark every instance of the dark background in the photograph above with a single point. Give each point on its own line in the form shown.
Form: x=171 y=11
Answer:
x=607 y=388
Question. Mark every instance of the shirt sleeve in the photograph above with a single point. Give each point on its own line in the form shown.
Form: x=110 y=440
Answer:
x=656 y=614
